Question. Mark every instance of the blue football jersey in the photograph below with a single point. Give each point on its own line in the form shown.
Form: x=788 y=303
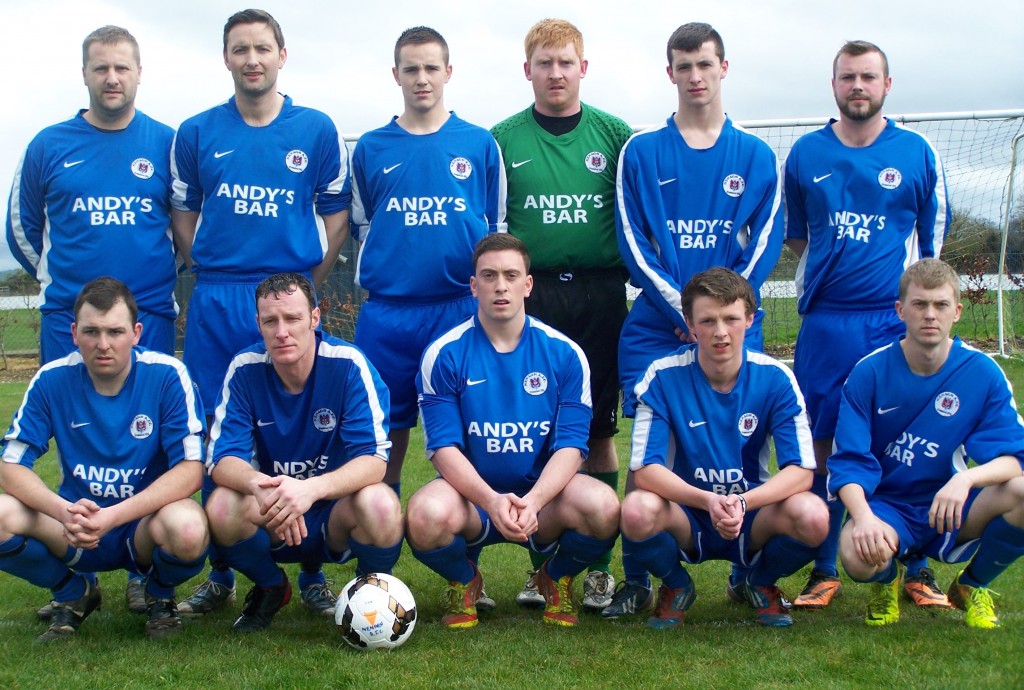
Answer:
x=259 y=190
x=508 y=412
x=109 y=447
x=902 y=436
x=715 y=441
x=420 y=205
x=341 y=414
x=867 y=213
x=88 y=202
x=681 y=211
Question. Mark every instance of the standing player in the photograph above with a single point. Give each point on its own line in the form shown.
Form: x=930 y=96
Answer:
x=865 y=199
x=911 y=415
x=700 y=459
x=129 y=426
x=426 y=187
x=260 y=186
x=91 y=197
x=559 y=148
x=313 y=413
x=506 y=409
x=693 y=193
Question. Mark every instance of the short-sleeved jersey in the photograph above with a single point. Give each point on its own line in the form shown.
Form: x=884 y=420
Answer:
x=420 y=203
x=88 y=202
x=717 y=441
x=341 y=414
x=902 y=436
x=109 y=447
x=680 y=211
x=561 y=189
x=867 y=213
x=259 y=190
x=508 y=412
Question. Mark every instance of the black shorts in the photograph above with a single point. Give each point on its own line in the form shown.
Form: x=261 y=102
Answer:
x=589 y=306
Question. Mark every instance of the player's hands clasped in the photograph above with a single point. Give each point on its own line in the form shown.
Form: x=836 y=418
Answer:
x=513 y=516
x=87 y=523
x=284 y=501
x=726 y=515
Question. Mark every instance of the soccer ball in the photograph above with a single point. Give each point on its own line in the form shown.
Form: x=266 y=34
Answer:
x=375 y=611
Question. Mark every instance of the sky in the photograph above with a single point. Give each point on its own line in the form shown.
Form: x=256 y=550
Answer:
x=944 y=55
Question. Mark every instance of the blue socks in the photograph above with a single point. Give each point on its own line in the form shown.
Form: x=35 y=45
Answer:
x=376 y=559
x=780 y=557
x=169 y=572
x=1001 y=545
x=660 y=556
x=632 y=569
x=450 y=562
x=575 y=552
x=252 y=557
x=828 y=552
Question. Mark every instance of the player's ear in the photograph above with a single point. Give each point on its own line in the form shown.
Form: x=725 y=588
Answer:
x=526 y=71
x=136 y=333
x=899 y=310
x=283 y=58
x=315 y=320
x=583 y=68
x=394 y=73
x=472 y=285
x=74 y=333
x=725 y=68
x=529 y=285
x=447 y=73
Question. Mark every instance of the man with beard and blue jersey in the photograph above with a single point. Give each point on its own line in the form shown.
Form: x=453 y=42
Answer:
x=506 y=413
x=865 y=198
x=91 y=197
x=129 y=426
x=426 y=187
x=705 y=418
x=260 y=187
x=298 y=449
x=695 y=192
x=913 y=413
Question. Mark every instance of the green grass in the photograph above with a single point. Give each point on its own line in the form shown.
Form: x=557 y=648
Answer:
x=720 y=645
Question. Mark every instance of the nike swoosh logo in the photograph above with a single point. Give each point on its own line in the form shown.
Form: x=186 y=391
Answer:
x=694 y=425
x=71 y=164
x=471 y=382
x=887 y=410
x=662 y=183
x=516 y=164
x=221 y=154
x=79 y=425
x=387 y=170
x=818 y=179
x=260 y=422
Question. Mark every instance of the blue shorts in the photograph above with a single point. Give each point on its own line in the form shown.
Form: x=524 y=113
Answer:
x=221 y=321
x=708 y=544
x=314 y=547
x=395 y=334
x=55 y=339
x=828 y=346
x=489 y=534
x=917 y=537
x=647 y=335
x=115 y=551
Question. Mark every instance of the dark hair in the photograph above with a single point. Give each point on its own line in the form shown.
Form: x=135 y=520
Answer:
x=855 y=48
x=286 y=283
x=110 y=35
x=690 y=37
x=721 y=284
x=500 y=241
x=253 y=17
x=418 y=35
x=103 y=294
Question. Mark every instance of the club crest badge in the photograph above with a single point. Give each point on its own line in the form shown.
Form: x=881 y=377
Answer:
x=947 y=404
x=890 y=178
x=596 y=162
x=324 y=420
x=535 y=383
x=734 y=185
x=296 y=161
x=748 y=423
x=142 y=168
x=142 y=426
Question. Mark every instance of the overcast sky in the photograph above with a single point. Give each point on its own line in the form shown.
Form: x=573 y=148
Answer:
x=945 y=55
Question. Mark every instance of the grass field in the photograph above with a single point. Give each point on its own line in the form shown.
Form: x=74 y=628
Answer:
x=719 y=647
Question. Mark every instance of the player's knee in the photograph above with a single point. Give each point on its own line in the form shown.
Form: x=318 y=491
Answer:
x=810 y=518
x=225 y=510
x=425 y=517
x=638 y=513
x=10 y=511
x=378 y=510
x=188 y=530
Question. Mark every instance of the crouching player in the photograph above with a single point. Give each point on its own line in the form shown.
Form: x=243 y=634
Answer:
x=911 y=415
x=298 y=449
x=700 y=460
x=129 y=426
x=506 y=411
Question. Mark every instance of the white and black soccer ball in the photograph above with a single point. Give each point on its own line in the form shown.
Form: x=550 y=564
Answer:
x=375 y=611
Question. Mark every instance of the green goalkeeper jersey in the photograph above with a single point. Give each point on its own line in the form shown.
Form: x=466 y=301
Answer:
x=561 y=190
